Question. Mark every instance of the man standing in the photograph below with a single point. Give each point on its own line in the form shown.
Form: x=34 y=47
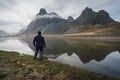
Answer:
x=39 y=43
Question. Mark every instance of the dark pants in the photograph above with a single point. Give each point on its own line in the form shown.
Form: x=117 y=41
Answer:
x=41 y=52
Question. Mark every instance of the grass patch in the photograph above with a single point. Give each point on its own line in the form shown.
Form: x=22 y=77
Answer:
x=16 y=67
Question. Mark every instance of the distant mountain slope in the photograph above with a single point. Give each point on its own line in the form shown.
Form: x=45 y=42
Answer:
x=52 y=23
x=112 y=29
x=2 y=33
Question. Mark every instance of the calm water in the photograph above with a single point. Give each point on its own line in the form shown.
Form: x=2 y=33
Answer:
x=97 y=56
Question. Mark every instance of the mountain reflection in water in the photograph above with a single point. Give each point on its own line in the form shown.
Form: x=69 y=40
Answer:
x=15 y=44
x=97 y=56
x=109 y=66
x=87 y=50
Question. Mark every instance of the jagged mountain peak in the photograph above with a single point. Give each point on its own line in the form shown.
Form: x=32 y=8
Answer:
x=43 y=14
x=88 y=16
x=70 y=18
x=103 y=12
x=87 y=12
x=42 y=11
x=88 y=9
x=103 y=17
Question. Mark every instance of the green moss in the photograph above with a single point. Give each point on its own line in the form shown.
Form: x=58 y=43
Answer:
x=16 y=67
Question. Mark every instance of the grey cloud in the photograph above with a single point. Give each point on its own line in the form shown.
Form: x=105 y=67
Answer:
x=6 y=26
x=68 y=7
x=23 y=11
x=7 y=4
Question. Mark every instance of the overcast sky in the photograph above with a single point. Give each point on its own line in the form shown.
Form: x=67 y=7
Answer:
x=16 y=14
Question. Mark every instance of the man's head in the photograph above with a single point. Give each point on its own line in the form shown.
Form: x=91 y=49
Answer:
x=39 y=32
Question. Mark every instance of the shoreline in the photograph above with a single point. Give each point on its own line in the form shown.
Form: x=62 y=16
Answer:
x=71 y=35
x=25 y=67
x=76 y=36
x=86 y=37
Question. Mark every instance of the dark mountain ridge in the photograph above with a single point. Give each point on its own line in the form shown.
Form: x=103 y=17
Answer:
x=52 y=23
x=88 y=16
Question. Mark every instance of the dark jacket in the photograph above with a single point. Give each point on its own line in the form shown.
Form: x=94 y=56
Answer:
x=39 y=41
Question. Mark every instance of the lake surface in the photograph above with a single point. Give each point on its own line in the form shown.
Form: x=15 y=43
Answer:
x=97 y=56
